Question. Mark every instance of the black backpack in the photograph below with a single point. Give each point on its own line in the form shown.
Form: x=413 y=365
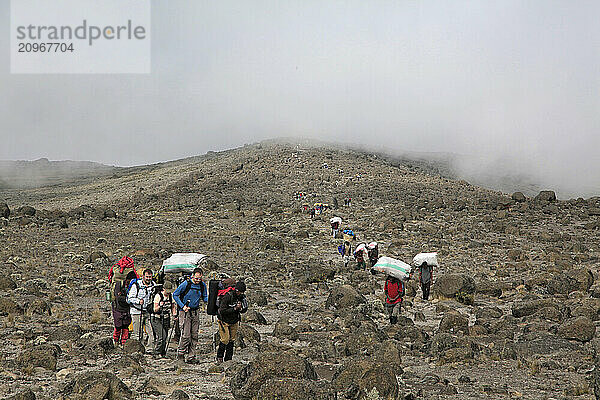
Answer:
x=156 y=290
x=213 y=291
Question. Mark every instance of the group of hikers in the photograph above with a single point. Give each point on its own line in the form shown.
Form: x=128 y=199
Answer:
x=143 y=308
x=394 y=287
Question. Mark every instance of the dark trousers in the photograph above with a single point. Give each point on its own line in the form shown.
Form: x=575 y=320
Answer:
x=425 y=288
x=160 y=327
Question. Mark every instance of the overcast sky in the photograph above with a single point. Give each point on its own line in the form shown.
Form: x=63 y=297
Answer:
x=509 y=80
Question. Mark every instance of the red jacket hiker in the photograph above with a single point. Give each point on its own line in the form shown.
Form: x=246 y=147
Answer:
x=394 y=290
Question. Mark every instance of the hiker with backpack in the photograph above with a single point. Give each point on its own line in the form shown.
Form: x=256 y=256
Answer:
x=160 y=317
x=359 y=256
x=335 y=225
x=425 y=278
x=394 y=292
x=120 y=310
x=425 y=262
x=373 y=252
x=119 y=276
x=188 y=296
x=139 y=296
x=232 y=303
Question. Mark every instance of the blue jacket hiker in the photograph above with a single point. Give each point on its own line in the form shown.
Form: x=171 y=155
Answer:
x=194 y=292
x=188 y=296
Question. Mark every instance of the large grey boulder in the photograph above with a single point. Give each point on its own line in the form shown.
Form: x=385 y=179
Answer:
x=519 y=197
x=529 y=307
x=453 y=322
x=4 y=210
x=44 y=356
x=248 y=381
x=97 y=385
x=344 y=296
x=449 y=285
x=284 y=330
x=26 y=394
x=26 y=211
x=364 y=340
x=571 y=280
x=546 y=195
x=366 y=379
x=581 y=329
x=295 y=389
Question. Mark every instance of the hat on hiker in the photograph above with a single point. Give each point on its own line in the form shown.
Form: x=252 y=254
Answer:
x=240 y=286
x=168 y=285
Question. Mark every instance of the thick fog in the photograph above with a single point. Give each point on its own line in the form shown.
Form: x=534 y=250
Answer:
x=511 y=86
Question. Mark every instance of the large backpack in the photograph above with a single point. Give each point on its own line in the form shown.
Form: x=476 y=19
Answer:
x=216 y=290
x=118 y=273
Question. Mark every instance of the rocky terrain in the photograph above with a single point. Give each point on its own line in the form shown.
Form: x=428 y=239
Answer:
x=516 y=299
x=42 y=172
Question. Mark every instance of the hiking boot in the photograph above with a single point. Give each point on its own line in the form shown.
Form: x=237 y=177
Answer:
x=191 y=360
x=181 y=357
x=393 y=320
x=219 y=360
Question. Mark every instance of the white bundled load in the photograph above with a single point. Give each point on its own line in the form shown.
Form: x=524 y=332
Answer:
x=182 y=262
x=429 y=258
x=391 y=266
x=336 y=219
x=372 y=245
x=361 y=248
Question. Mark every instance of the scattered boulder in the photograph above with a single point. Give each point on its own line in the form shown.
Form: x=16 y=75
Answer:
x=248 y=333
x=272 y=243
x=389 y=353
x=132 y=346
x=516 y=255
x=449 y=285
x=38 y=307
x=450 y=348
x=6 y=283
x=529 y=307
x=4 y=210
x=364 y=340
x=365 y=379
x=489 y=288
x=284 y=330
x=258 y=297
x=179 y=394
x=27 y=394
x=109 y=213
x=26 y=211
x=572 y=280
x=255 y=317
x=96 y=255
x=545 y=195
x=247 y=382
x=98 y=385
x=581 y=329
x=344 y=296
x=44 y=356
x=66 y=332
x=294 y=389
x=453 y=322
x=518 y=197
x=318 y=271
x=8 y=306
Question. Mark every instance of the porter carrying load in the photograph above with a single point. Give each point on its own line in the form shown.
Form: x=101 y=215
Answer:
x=391 y=266
x=182 y=262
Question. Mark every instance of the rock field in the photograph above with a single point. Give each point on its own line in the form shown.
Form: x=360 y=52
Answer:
x=514 y=311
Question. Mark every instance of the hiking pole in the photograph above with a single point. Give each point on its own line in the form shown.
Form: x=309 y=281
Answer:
x=170 y=335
